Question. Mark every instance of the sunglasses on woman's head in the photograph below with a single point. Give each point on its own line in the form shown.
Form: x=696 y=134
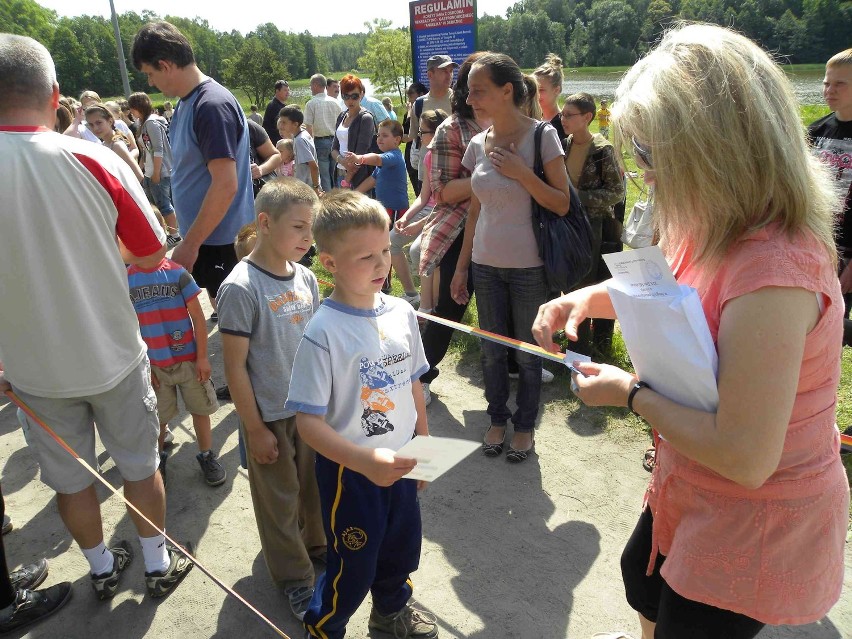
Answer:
x=643 y=152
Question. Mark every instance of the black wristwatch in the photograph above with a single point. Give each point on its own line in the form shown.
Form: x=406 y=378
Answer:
x=636 y=388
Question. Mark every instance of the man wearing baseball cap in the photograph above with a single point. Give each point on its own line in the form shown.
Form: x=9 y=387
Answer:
x=439 y=75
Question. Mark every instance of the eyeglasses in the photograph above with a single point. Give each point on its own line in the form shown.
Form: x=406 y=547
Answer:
x=351 y=96
x=568 y=116
x=425 y=132
x=643 y=153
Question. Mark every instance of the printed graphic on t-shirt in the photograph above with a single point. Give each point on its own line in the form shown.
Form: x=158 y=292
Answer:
x=375 y=380
x=837 y=155
x=295 y=306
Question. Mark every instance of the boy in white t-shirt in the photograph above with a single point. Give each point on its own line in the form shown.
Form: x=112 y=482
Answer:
x=357 y=396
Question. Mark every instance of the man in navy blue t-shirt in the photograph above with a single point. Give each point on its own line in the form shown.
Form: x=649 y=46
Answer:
x=211 y=175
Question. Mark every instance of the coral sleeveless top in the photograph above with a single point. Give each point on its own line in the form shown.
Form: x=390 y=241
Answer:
x=775 y=553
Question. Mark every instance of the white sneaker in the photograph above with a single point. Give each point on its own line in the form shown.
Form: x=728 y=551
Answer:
x=546 y=376
x=414 y=300
x=427 y=395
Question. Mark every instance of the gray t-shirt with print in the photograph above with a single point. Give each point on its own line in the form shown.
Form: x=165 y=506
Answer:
x=272 y=312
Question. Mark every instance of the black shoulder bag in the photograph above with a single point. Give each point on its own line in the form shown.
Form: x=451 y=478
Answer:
x=564 y=241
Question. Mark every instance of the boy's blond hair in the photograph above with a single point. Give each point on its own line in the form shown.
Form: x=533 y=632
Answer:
x=840 y=59
x=341 y=210
x=278 y=196
x=245 y=240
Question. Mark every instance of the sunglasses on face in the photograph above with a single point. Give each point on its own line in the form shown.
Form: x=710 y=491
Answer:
x=643 y=153
x=351 y=96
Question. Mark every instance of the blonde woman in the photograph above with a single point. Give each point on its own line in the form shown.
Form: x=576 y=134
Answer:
x=748 y=506
x=549 y=78
x=100 y=121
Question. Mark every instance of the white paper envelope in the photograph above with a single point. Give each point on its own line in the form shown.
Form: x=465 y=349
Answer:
x=670 y=345
x=435 y=455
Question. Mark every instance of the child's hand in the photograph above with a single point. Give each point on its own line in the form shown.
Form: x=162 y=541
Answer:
x=203 y=369
x=422 y=485
x=400 y=224
x=384 y=468
x=413 y=230
x=262 y=445
x=155 y=383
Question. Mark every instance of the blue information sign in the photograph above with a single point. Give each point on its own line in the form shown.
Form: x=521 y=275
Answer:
x=446 y=27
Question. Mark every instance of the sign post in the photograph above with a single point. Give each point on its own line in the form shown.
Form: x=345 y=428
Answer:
x=447 y=27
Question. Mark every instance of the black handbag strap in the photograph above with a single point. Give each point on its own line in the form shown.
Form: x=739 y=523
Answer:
x=538 y=164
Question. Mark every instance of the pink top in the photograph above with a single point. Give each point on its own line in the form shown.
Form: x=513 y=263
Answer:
x=287 y=169
x=427 y=166
x=775 y=553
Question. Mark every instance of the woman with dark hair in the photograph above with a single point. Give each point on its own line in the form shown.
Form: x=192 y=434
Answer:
x=441 y=239
x=100 y=121
x=354 y=133
x=500 y=247
x=594 y=172
x=158 y=160
x=415 y=90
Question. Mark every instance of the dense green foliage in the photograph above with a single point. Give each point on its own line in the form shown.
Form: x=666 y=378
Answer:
x=387 y=57
x=83 y=48
x=616 y=32
x=584 y=32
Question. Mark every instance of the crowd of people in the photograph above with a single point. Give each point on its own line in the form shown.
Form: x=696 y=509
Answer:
x=328 y=390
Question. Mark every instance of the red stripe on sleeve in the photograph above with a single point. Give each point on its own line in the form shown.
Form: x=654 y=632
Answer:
x=133 y=226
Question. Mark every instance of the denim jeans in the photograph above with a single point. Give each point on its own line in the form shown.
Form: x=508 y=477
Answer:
x=160 y=194
x=499 y=292
x=323 y=147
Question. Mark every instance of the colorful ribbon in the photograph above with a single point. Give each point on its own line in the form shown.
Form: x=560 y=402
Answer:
x=20 y=404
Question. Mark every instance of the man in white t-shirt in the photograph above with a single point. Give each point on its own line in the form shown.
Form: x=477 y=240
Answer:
x=69 y=337
x=321 y=113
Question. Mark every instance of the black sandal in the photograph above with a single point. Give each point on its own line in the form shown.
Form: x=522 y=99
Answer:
x=493 y=450
x=516 y=455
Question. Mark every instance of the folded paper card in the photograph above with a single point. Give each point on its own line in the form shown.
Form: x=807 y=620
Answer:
x=435 y=455
x=664 y=328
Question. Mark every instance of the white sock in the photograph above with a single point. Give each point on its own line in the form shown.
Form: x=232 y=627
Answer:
x=175 y=234
x=154 y=553
x=100 y=559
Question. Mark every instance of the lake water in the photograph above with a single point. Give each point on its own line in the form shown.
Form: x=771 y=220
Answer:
x=807 y=85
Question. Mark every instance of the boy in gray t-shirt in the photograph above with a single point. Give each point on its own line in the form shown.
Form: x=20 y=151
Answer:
x=305 y=153
x=264 y=306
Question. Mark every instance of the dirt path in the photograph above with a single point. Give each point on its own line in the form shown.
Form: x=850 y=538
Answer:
x=509 y=551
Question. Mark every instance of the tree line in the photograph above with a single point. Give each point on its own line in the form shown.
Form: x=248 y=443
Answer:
x=582 y=32
x=618 y=32
x=83 y=47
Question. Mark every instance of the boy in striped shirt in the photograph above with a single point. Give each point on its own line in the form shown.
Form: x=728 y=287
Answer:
x=165 y=298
